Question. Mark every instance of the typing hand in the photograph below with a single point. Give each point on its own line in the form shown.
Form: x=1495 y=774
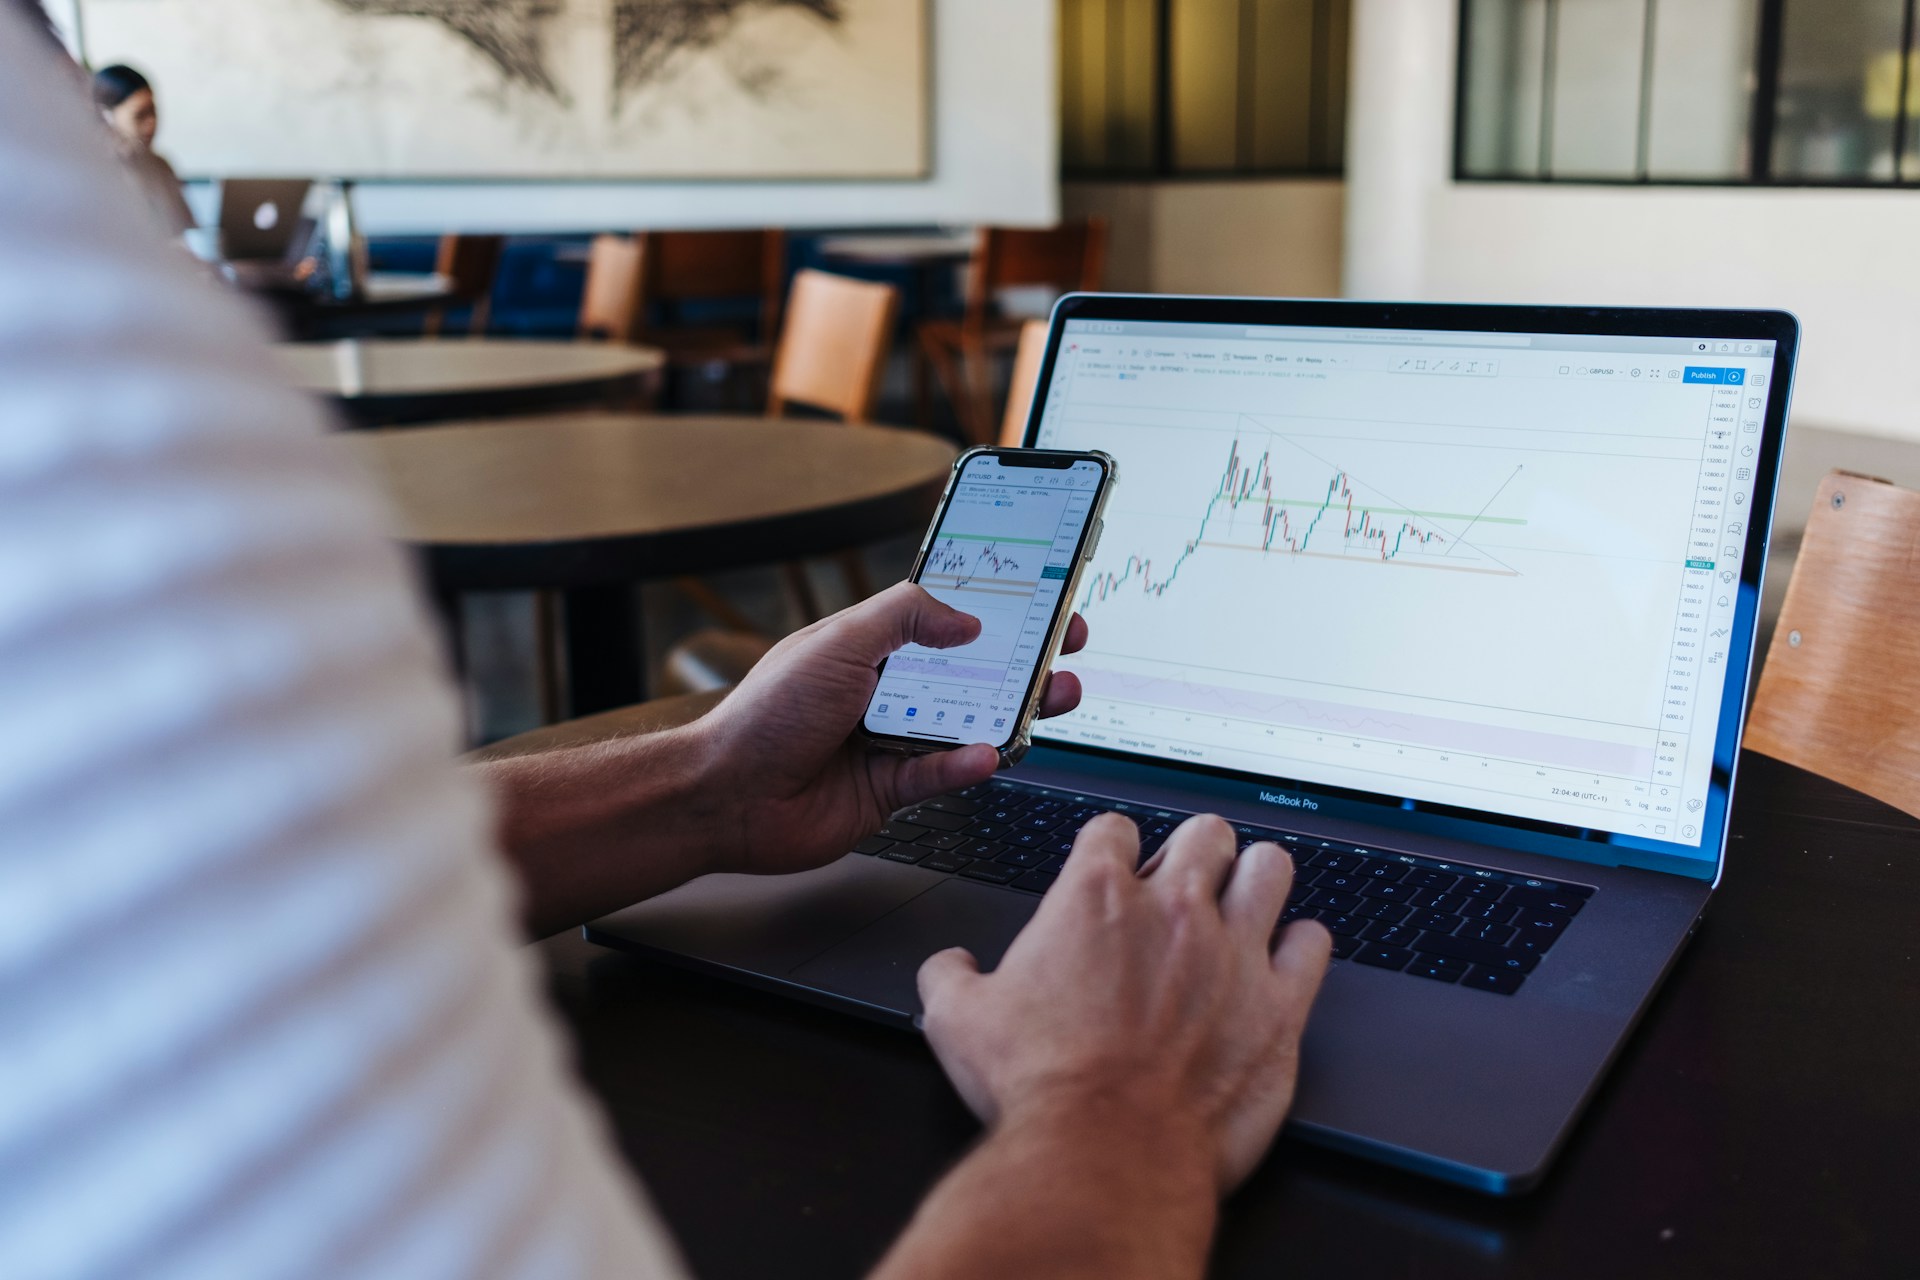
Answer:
x=1145 y=1004
x=797 y=788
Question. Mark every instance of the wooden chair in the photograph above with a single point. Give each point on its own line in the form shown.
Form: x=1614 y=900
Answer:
x=960 y=352
x=1840 y=693
x=682 y=267
x=831 y=355
x=469 y=264
x=610 y=307
x=833 y=348
x=1024 y=384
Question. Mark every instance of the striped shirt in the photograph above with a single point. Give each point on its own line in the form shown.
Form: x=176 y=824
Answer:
x=262 y=1008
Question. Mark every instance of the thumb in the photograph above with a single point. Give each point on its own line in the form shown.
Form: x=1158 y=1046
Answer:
x=919 y=778
x=943 y=977
x=902 y=614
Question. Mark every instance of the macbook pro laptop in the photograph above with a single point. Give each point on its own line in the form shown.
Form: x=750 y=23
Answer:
x=260 y=217
x=1456 y=602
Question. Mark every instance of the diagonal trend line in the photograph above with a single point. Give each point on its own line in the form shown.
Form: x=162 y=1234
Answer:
x=1461 y=537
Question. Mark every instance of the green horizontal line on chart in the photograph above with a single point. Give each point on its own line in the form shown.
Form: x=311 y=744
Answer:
x=984 y=537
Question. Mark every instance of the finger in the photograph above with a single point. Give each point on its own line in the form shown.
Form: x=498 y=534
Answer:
x=909 y=781
x=946 y=980
x=1062 y=695
x=1076 y=635
x=1197 y=858
x=1257 y=892
x=1109 y=844
x=902 y=614
x=944 y=975
x=1301 y=960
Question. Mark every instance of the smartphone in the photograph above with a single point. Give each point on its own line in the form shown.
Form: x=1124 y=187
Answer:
x=1013 y=535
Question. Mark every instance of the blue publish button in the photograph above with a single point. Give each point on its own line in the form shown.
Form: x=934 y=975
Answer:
x=1719 y=377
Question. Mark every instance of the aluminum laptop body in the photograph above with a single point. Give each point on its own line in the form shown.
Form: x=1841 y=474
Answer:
x=260 y=217
x=1472 y=588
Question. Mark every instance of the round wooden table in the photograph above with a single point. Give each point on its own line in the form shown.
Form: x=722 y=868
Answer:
x=901 y=249
x=590 y=504
x=392 y=381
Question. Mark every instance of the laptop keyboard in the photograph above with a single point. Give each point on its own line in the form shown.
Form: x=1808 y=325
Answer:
x=1444 y=921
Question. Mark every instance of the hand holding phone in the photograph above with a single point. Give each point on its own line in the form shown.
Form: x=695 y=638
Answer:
x=1014 y=532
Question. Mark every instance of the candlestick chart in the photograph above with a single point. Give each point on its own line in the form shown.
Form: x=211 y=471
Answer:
x=1340 y=520
x=958 y=563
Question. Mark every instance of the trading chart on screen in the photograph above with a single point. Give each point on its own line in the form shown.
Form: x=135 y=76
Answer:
x=1494 y=575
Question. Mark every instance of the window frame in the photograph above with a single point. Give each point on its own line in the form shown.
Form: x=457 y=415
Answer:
x=1763 y=113
x=1162 y=168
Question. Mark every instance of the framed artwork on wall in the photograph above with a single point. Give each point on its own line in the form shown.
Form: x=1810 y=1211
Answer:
x=534 y=89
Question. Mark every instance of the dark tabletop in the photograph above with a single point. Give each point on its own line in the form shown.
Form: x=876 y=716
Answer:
x=597 y=498
x=391 y=380
x=1764 y=1120
x=901 y=249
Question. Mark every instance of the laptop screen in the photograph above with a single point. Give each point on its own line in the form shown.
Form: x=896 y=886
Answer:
x=1496 y=572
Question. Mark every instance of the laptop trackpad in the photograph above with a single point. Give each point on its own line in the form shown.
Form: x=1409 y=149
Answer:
x=769 y=924
x=879 y=964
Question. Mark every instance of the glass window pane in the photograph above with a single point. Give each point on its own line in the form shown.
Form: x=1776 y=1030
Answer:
x=1700 y=105
x=1283 y=84
x=1501 y=96
x=1107 y=71
x=1839 y=72
x=1082 y=145
x=1206 y=62
x=1136 y=34
x=1595 y=112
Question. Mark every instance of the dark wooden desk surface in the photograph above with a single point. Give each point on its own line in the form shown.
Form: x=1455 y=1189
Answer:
x=388 y=381
x=1764 y=1120
x=902 y=249
x=585 y=499
x=593 y=503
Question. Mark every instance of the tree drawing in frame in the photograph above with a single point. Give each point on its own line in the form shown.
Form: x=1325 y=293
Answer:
x=690 y=89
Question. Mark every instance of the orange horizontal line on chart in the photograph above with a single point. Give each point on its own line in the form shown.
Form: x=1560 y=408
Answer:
x=1401 y=560
x=986 y=586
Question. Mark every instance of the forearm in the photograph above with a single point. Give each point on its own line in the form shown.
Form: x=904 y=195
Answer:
x=1099 y=1191
x=596 y=828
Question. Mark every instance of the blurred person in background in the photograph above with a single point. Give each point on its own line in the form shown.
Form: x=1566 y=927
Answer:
x=126 y=98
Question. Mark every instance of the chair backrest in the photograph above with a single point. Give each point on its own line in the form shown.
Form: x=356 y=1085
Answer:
x=469 y=264
x=1070 y=256
x=610 y=308
x=1840 y=694
x=688 y=266
x=833 y=347
x=1027 y=359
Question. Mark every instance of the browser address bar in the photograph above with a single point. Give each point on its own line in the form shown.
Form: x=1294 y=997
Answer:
x=1415 y=337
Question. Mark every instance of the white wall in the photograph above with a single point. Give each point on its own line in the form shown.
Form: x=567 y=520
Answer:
x=1399 y=133
x=995 y=157
x=1846 y=262
x=1277 y=238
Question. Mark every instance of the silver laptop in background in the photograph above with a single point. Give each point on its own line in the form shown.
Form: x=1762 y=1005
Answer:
x=1459 y=602
x=260 y=218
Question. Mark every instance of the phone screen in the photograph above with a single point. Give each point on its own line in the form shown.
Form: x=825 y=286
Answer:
x=1004 y=550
